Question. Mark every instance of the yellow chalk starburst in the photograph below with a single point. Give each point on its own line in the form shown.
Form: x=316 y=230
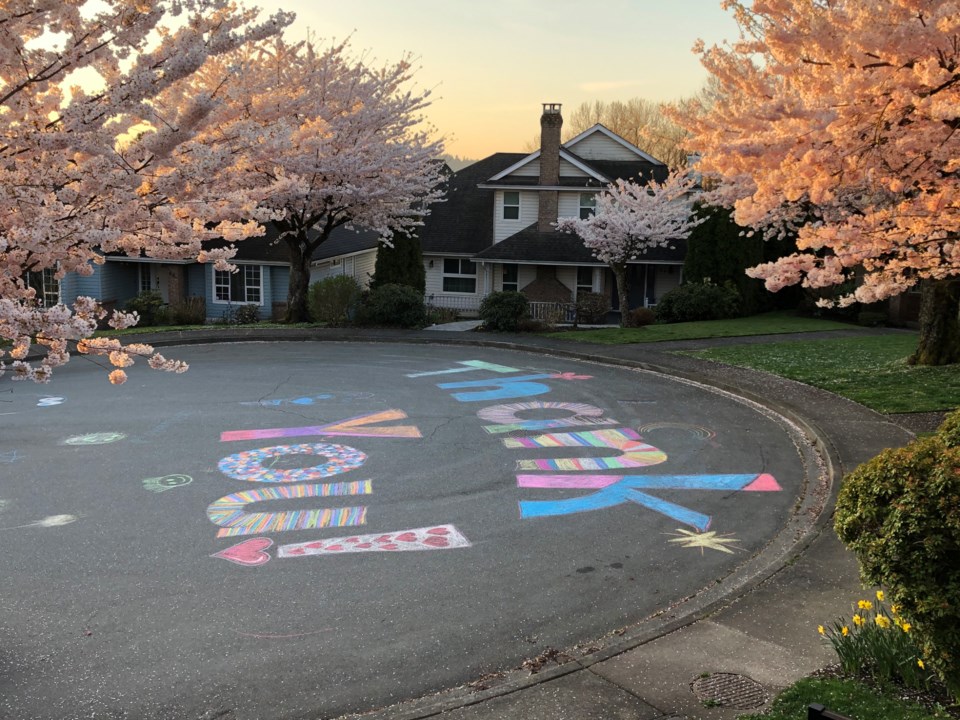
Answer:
x=705 y=540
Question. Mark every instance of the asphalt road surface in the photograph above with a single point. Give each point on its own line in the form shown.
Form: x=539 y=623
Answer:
x=309 y=529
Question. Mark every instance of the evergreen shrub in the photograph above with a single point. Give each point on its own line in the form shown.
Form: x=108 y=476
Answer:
x=333 y=300
x=150 y=306
x=393 y=306
x=503 y=311
x=592 y=308
x=698 y=301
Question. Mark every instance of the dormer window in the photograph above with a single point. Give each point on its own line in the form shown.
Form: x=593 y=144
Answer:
x=511 y=205
x=588 y=205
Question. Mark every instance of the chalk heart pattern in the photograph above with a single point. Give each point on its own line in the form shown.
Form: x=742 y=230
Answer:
x=249 y=553
x=438 y=537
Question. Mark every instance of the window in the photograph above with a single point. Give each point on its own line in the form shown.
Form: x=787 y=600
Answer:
x=510 y=278
x=584 y=280
x=46 y=285
x=588 y=205
x=459 y=275
x=511 y=205
x=146 y=283
x=243 y=286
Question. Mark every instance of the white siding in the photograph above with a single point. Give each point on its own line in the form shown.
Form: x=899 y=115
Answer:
x=666 y=278
x=526 y=275
x=529 y=205
x=531 y=169
x=567 y=274
x=363 y=267
x=568 y=169
x=356 y=266
x=569 y=204
x=599 y=147
x=466 y=303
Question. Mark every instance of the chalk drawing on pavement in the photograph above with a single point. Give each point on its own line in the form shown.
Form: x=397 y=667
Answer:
x=253 y=552
x=101 y=438
x=4 y=504
x=47 y=522
x=167 y=482
x=429 y=538
x=702 y=540
x=359 y=426
x=613 y=490
x=634 y=452
x=319 y=396
x=10 y=456
x=507 y=418
x=252 y=464
x=698 y=431
x=228 y=512
x=50 y=401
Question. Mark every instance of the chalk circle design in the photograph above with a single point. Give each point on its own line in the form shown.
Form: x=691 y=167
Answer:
x=250 y=465
x=698 y=431
x=102 y=438
x=508 y=413
x=167 y=482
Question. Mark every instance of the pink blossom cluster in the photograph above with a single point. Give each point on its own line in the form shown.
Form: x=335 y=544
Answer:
x=839 y=122
x=87 y=172
x=631 y=218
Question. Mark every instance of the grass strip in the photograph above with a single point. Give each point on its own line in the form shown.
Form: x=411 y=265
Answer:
x=871 y=370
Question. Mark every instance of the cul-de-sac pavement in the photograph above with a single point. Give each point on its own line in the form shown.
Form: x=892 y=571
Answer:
x=309 y=529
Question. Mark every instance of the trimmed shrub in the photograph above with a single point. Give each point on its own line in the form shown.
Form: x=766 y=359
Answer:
x=400 y=263
x=334 y=300
x=247 y=314
x=150 y=306
x=192 y=311
x=393 y=306
x=900 y=514
x=698 y=301
x=592 y=308
x=503 y=311
x=640 y=317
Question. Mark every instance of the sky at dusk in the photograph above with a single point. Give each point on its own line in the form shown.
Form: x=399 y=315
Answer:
x=491 y=63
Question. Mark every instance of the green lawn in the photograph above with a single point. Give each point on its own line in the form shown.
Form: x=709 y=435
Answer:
x=766 y=324
x=846 y=697
x=871 y=370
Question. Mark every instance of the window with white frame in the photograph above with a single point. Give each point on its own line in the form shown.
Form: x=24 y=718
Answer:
x=146 y=279
x=459 y=275
x=243 y=286
x=46 y=285
x=588 y=205
x=511 y=278
x=511 y=205
x=584 y=280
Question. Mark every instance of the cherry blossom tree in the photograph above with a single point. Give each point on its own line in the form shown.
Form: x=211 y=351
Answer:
x=338 y=142
x=86 y=172
x=631 y=219
x=840 y=120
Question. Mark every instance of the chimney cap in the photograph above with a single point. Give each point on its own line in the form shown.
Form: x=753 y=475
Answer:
x=551 y=108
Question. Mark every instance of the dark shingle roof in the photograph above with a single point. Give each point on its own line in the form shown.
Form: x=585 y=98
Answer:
x=267 y=248
x=531 y=246
x=464 y=223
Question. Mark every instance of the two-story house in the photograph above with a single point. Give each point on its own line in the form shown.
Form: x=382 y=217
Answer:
x=496 y=230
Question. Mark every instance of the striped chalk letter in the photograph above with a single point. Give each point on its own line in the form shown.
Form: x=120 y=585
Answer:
x=634 y=452
x=580 y=415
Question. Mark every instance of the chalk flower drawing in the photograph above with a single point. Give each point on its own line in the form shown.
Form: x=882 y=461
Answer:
x=95 y=438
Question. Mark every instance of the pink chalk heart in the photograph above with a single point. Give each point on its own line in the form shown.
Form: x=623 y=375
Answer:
x=353 y=540
x=407 y=537
x=249 y=553
x=437 y=542
x=296 y=551
x=390 y=546
x=334 y=548
x=438 y=531
x=365 y=545
x=315 y=545
x=385 y=539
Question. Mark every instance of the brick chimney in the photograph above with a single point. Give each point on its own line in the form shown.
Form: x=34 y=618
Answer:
x=550 y=123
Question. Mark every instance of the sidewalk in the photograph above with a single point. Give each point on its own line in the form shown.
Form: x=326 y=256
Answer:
x=738 y=650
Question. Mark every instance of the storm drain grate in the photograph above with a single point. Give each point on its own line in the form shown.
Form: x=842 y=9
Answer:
x=729 y=690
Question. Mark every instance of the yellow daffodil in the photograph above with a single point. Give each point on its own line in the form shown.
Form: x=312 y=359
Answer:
x=895 y=609
x=821 y=630
x=857 y=620
x=864 y=604
x=920 y=663
x=906 y=627
x=844 y=631
x=880 y=595
x=882 y=620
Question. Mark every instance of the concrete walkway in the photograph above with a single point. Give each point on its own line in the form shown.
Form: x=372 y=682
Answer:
x=737 y=651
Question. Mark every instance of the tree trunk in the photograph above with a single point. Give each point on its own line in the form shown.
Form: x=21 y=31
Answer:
x=623 y=292
x=299 y=288
x=939 y=323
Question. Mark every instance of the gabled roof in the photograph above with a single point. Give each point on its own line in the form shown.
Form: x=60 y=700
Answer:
x=267 y=248
x=598 y=128
x=531 y=246
x=463 y=224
